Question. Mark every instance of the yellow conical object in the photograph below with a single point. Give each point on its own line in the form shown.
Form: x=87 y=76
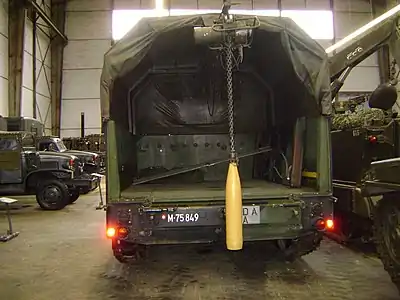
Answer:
x=233 y=207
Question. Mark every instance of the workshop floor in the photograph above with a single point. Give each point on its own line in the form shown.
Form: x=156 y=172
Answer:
x=63 y=255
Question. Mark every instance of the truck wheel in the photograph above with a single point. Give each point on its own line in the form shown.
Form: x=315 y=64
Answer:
x=73 y=196
x=52 y=195
x=296 y=248
x=387 y=236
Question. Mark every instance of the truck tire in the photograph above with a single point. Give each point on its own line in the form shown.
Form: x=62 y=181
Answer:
x=387 y=237
x=296 y=248
x=52 y=194
x=73 y=196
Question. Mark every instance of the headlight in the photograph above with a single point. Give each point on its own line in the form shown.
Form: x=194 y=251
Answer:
x=69 y=164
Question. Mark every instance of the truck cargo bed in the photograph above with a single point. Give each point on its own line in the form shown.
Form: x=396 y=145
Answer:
x=252 y=189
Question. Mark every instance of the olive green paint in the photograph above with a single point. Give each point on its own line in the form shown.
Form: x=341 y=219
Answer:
x=324 y=165
x=112 y=175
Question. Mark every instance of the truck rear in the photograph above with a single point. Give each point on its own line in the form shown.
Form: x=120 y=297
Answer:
x=166 y=122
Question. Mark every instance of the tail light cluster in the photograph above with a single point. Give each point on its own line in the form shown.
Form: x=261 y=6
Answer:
x=324 y=224
x=376 y=139
x=117 y=232
x=372 y=139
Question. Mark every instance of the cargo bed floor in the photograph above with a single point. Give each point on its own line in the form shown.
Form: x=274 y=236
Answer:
x=208 y=190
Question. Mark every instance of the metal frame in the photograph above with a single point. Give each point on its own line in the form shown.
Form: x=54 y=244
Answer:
x=49 y=21
x=39 y=30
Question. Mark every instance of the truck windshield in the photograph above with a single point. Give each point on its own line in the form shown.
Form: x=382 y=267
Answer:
x=8 y=144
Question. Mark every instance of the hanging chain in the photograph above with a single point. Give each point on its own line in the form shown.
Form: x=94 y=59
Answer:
x=229 y=87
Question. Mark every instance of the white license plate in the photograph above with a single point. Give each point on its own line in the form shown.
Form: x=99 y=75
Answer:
x=251 y=214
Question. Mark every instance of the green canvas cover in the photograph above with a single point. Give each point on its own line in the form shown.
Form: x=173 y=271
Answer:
x=308 y=59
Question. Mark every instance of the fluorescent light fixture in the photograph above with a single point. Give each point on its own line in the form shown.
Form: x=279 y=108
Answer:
x=363 y=29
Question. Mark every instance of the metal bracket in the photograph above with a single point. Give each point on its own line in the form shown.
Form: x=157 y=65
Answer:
x=10 y=234
x=101 y=204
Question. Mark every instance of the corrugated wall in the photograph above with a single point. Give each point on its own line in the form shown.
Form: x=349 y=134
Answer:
x=3 y=57
x=348 y=16
x=42 y=63
x=88 y=27
x=38 y=107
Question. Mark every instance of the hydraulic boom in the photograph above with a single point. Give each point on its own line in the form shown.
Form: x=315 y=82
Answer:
x=359 y=45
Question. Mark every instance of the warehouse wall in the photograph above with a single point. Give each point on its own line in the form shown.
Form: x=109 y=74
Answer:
x=42 y=109
x=348 y=16
x=88 y=27
x=3 y=57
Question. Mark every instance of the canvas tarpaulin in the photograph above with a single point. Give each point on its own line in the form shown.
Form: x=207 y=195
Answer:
x=308 y=59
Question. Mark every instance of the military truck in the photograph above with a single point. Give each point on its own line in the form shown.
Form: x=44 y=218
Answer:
x=168 y=118
x=24 y=124
x=93 y=143
x=90 y=161
x=366 y=146
x=54 y=178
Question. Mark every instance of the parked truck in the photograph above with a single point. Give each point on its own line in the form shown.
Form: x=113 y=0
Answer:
x=366 y=146
x=54 y=178
x=90 y=161
x=172 y=134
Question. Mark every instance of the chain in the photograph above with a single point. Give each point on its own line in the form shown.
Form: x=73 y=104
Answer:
x=229 y=85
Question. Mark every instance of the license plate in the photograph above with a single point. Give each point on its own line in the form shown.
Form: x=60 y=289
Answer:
x=183 y=218
x=251 y=215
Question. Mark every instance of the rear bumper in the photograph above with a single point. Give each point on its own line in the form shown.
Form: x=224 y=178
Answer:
x=272 y=220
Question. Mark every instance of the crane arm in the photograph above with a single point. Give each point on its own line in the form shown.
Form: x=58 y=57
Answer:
x=359 y=45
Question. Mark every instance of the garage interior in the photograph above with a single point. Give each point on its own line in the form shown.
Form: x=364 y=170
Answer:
x=51 y=60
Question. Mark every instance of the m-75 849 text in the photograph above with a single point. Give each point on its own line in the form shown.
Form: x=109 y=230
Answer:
x=183 y=218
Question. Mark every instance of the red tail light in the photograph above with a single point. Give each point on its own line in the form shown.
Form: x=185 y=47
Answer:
x=320 y=224
x=122 y=232
x=372 y=139
x=71 y=163
x=326 y=224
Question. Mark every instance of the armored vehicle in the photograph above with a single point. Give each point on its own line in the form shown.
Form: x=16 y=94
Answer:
x=366 y=144
x=55 y=178
x=172 y=134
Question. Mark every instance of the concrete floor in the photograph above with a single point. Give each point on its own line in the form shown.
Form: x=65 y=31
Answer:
x=64 y=255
